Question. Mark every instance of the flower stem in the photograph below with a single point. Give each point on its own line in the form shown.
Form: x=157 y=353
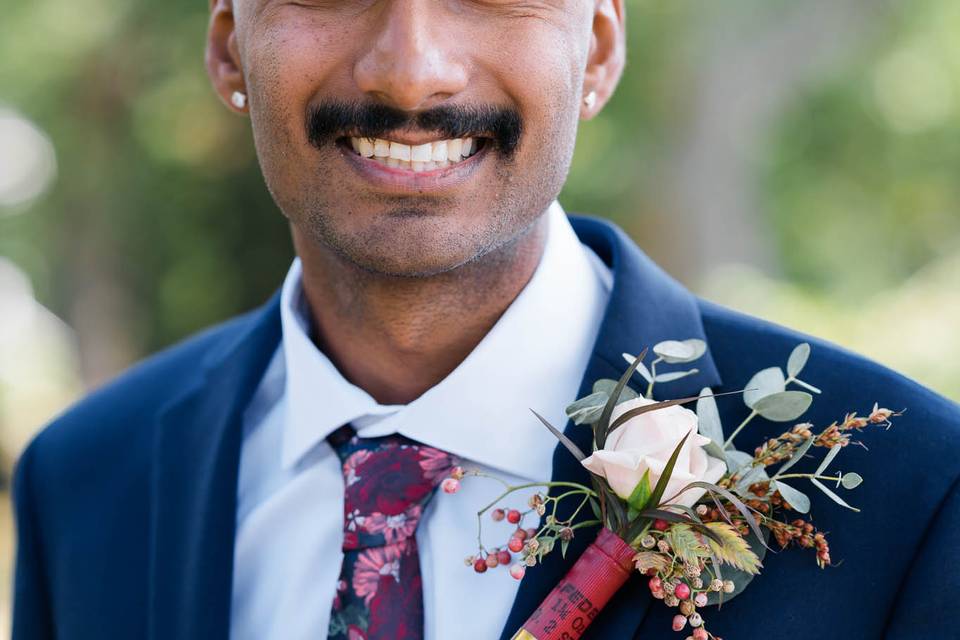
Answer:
x=729 y=441
x=812 y=476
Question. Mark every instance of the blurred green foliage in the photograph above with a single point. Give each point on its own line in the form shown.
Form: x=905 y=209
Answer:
x=159 y=198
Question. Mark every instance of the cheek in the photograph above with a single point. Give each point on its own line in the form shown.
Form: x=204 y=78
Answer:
x=283 y=71
x=540 y=67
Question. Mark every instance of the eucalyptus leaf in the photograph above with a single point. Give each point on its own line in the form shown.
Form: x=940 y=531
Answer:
x=827 y=459
x=587 y=409
x=797 y=499
x=708 y=419
x=762 y=384
x=675 y=375
x=715 y=450
x=832 y=495
x=641 y=368
x=851 y=480
x=605 y=385
x=784 y=406
x=797 y=456
x=674 y=351
x=680 y=351
x=755 y=474
x=798 y=360
x=737 y=460
x=740 y=578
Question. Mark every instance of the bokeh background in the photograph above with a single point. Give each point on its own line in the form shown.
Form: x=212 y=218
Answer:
x=796 y=160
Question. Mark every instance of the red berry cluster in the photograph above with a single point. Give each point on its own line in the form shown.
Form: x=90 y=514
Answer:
x=504 y=556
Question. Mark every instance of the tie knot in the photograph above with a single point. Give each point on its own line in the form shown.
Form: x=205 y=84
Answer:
x=388 y=482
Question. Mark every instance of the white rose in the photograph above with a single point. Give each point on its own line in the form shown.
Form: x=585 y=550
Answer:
x=646 y=442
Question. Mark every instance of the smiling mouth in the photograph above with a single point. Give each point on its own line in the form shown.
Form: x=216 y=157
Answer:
x=429 y=156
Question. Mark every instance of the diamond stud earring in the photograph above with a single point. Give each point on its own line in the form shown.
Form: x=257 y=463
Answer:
x=238 y=99
x=590 y=99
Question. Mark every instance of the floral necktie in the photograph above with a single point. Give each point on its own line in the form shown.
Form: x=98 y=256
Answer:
x=388 y=482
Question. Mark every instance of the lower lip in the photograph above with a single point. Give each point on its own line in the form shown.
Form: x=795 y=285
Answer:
x=408 y=181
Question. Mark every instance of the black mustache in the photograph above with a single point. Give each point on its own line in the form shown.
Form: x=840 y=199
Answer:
x=331 y=120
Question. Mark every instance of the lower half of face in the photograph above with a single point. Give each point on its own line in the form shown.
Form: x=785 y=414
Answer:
x=409 y=203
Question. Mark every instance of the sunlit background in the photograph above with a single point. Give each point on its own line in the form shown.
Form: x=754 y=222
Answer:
x=799 y=160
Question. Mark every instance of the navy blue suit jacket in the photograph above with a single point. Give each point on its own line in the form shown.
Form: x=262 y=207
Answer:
x=126 y=504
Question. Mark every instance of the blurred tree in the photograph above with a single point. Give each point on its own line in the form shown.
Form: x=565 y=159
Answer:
x=817 y=138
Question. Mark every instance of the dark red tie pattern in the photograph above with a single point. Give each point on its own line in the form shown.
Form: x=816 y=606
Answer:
x=388 y=482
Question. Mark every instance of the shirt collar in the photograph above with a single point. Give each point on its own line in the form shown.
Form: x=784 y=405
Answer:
x=532 y=358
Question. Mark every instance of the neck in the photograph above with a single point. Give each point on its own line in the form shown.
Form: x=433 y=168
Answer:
x=396 y=337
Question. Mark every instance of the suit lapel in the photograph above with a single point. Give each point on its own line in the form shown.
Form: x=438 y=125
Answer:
x=197 y=455
x=646 y=306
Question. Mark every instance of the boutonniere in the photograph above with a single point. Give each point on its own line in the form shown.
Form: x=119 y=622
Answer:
x=673 y=497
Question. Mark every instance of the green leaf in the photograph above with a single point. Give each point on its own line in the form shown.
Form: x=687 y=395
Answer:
x=564 y=440
x=669 y=516
x=641 y=368
x=685 y=544
x=740 y=578
x=798 y=500
x=675 y=375
x=784 y=406
x=798 y=360
x=797 y=456
x=732 y=499
x=602 y=426
x=563 y=548
x=641 y=494
x=587 y=410
x=607 y=386
x=708 y=418
x=657 y=494
x=851 y=480
x=715 y=450
x=734 y=549
x=754 y=474
x=595 y=507
x=652 y=560
x=737 y=460
x=763 y=384
x=827 y=459
x=832 y=495
x=677 y=352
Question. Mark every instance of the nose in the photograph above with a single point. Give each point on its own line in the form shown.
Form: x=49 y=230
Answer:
x=412 y=60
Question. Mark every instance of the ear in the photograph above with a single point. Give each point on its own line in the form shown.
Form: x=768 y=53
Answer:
x=606 y=57
x=223 y=56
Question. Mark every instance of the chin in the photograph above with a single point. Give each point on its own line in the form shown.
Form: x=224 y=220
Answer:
x=407 y=251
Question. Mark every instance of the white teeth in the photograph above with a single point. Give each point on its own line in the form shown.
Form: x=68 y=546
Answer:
x=422 y=152
x=422 y=157
x=454 y=147
x=399 y=151
x=381 y=148
x=366 y=147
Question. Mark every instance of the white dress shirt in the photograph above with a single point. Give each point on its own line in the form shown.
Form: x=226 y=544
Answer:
x=290 y=495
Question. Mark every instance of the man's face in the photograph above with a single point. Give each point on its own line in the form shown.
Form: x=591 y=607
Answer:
x=413 y=136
